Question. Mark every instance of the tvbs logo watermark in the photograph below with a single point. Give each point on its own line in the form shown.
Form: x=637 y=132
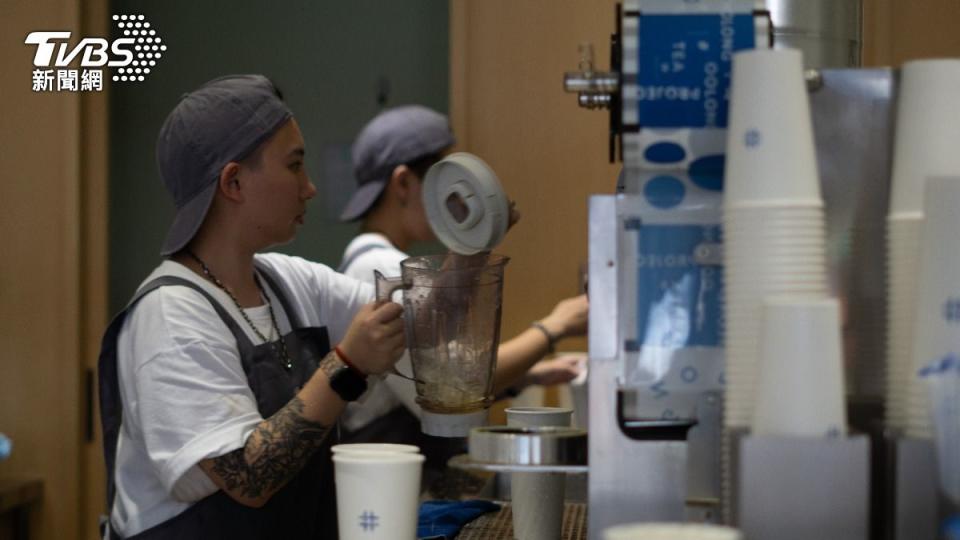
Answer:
x=132 y=56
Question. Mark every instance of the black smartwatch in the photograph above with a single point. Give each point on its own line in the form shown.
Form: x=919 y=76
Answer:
x=348 y=383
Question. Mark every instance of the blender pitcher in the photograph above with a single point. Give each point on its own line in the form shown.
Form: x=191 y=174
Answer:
x=452 y=316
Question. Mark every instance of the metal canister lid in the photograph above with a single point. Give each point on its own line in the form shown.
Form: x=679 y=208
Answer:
x=465 y=203
x=541 y=445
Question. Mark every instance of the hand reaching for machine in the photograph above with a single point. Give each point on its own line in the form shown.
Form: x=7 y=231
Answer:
x=568 y=318
x=559 y=370
x=375 y=338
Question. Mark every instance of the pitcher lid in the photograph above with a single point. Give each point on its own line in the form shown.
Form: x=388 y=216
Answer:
x=465 y=203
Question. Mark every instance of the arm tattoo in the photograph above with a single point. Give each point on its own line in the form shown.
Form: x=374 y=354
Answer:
x=330 y=363
x=275 y=452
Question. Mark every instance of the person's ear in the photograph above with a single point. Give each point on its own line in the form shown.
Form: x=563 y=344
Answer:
x=229 y=182
x=400 y=183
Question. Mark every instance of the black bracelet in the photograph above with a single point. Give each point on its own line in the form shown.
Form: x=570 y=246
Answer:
x=551 y=339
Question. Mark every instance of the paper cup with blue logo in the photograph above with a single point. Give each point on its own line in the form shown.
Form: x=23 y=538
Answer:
x=936 y=307
x=770 y=150
x=928 y=126
x=377 y=494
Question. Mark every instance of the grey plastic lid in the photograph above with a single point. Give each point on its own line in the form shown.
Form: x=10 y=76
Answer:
x=465 y=203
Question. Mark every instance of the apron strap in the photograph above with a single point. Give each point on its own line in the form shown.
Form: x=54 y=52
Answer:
x=111 y=405
x=111 y=408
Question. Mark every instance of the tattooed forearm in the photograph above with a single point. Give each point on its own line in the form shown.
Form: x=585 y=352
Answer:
x=330 y=363
x=275 y=452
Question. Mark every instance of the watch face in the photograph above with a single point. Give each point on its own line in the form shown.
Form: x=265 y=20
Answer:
x=348 y=384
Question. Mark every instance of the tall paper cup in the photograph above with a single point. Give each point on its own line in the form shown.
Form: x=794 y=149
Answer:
x=377 y=495
x=936 y=330
x=800 y=390
x=770 y=151
x=943 y=380
x=537 y=498
x=928 y=128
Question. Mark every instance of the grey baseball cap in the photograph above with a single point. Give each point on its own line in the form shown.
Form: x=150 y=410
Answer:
x=224 y=120
x=394 y=137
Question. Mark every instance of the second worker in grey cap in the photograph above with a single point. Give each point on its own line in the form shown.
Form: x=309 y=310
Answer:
x=220 y=381
x=391 y=156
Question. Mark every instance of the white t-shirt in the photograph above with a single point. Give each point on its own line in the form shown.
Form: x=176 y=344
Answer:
x=373 y=251
x=184 y=393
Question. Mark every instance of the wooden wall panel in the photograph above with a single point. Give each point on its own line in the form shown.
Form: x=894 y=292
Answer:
x=39 y=374
x=94 y=142
x=895 y=31
x=51 y=270
x=508 y=106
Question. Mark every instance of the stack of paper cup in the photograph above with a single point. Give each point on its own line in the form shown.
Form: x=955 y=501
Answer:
x=378 y=490
x=928 y=128
x=671 y=531
x=903 y=251
x=774 y=232
x=936 y=330
x=801 y=392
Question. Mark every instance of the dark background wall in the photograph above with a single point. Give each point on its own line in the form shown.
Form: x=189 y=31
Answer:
x=337 y=62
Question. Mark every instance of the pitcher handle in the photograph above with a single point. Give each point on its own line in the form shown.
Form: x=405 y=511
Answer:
x=386 y=286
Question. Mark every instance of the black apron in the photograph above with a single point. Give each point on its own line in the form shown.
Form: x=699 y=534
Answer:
x=306 y=506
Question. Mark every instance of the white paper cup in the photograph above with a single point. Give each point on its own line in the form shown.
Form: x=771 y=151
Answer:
x=800 y=390
x=794 y=239
x=943 y=381
x=539 y=416
x=772 y=211
x=775 y=225
x=579 y=393
x=775 y=211
x=928 y=128
x=785 y=205
x=903 y=253
x=746 y=237
x=670 y=531
x=537 y=498
x=770 y=152
x=377 y=495
x=765 y=265
x=936 y=330
x=375 y=447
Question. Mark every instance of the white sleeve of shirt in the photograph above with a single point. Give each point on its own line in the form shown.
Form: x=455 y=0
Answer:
x=384 y=259
x=323 y=296
x=191 y=395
